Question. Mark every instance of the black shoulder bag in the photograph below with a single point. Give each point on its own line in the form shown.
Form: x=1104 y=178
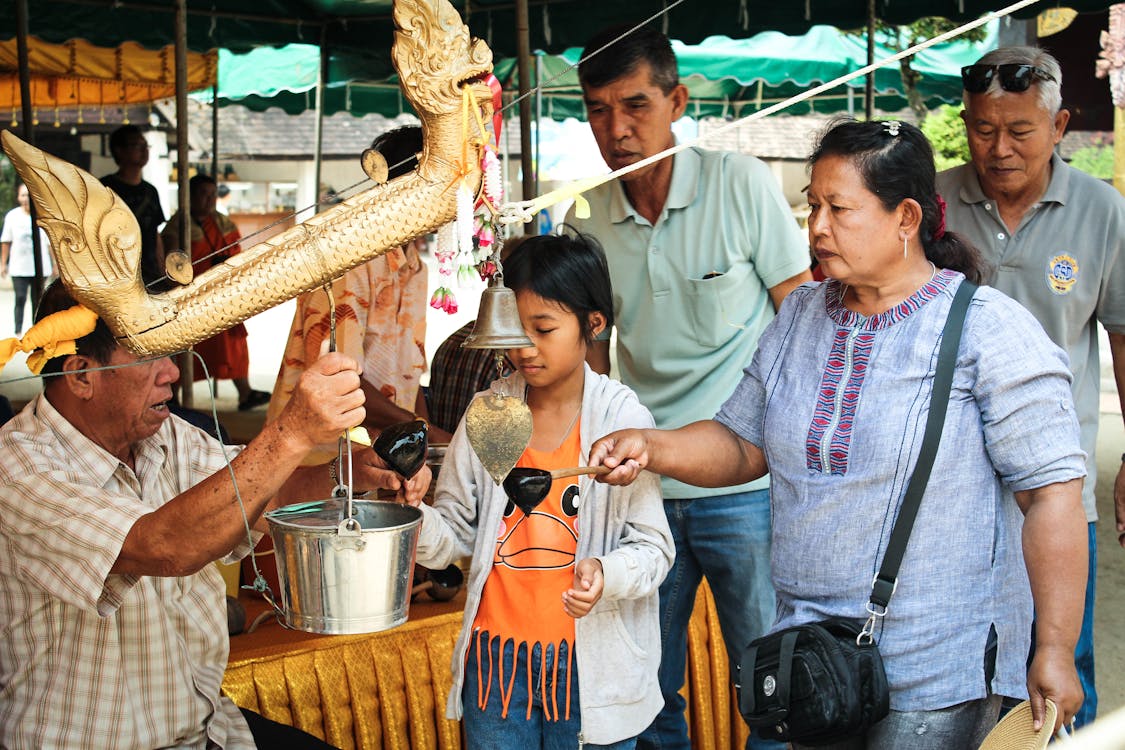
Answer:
x=824 y=681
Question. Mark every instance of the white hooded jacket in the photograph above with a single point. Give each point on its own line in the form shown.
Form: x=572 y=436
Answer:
x=617 y=645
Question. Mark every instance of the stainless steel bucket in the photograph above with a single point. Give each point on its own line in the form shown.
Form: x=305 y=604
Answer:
x=339 y=575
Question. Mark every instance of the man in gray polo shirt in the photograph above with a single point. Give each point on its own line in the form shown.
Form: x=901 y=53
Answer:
x=1056 y=240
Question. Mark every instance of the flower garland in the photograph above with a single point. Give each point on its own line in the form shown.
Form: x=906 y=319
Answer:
x=465 y=247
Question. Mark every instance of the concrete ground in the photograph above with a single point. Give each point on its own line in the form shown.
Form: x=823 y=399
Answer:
x=269 y=330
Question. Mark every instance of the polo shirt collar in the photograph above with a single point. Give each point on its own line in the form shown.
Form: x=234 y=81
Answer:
x=970 y=190
x=94 y=461
x=686 y=168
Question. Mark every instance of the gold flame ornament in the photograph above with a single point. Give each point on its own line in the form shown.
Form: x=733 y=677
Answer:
x=96 y=239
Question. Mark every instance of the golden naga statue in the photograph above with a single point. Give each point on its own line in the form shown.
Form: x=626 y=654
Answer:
x=96 y=240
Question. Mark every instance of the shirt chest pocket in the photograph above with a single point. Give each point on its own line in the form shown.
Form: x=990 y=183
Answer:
x=721 y=305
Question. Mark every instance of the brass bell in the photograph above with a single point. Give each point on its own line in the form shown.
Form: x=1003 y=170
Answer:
x=498 y=321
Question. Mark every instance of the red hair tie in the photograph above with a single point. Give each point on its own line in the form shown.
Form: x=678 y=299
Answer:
x=940 y=231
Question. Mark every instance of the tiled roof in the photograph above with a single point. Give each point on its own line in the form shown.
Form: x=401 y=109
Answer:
x=273 y=134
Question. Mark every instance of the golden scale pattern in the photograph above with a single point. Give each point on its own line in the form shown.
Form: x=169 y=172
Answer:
x=96 y=239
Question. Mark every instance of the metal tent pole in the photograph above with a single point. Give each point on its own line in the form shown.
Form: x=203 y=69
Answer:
x=187 y=364
x=523 y=61
x=869 y=88
x=29 y=136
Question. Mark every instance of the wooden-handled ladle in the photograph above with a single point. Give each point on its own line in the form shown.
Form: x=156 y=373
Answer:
x=526 y=487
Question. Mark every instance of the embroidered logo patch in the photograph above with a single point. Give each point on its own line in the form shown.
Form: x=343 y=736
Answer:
x=1062 y=272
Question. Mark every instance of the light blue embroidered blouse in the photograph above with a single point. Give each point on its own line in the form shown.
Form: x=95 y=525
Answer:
x=838 y=402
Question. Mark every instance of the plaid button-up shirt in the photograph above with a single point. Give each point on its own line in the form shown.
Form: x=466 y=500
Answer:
x=90 y=659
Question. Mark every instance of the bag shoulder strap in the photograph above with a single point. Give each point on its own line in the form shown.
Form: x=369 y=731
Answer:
x=884 y=585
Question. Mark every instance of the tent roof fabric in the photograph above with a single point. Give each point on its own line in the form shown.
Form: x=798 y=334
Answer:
x=364 y=27
x=724 y=76
x=76 y=73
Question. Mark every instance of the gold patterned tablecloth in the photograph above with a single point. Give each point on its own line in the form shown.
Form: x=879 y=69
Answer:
x=388 y=690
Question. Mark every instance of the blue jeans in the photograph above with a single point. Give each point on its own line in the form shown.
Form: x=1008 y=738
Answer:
x=960 y=727
x=549 y=726
x=1084 y=651
x=727 y=539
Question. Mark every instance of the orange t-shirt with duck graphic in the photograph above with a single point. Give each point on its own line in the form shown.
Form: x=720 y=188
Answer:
x=532 y=566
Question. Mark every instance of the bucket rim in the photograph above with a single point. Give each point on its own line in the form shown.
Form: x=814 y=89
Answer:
x=285 y=516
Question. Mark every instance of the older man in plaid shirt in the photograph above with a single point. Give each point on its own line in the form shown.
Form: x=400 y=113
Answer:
x=114 y=619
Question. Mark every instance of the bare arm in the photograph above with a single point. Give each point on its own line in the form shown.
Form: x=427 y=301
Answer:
x=1055 y=551
x=5 y=251
x=781 y=291
x=205 y=523
x=705 y=454
x=597 y=356
x=1117 y=351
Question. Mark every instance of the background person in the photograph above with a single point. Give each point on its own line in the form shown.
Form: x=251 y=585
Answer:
x=214 y=238
x=834 y=405
x=702 y=248
x=1055 y=239
x=114 y=617
x=563 y=675
x=380 y=319
x=17 y=253
x=129 y=149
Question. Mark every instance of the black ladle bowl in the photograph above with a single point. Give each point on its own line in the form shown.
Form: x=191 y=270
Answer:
x=403 y=447
x=444 y=583
x=526 y=487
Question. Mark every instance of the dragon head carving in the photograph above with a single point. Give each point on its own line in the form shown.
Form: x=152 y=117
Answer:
x=435 y=56
x=95 y=239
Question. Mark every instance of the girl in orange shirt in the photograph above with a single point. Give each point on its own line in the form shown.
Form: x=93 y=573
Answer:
x=555 y=653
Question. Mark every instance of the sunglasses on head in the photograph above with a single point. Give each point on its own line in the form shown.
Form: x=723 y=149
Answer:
x=1014 y=77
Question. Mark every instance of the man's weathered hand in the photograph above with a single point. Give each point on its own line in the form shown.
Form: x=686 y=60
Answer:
x=326 y=401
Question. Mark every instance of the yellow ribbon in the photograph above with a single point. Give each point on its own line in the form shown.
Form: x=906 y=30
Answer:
x=54 y=336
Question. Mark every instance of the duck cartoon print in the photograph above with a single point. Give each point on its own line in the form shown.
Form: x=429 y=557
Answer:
x=546 y=538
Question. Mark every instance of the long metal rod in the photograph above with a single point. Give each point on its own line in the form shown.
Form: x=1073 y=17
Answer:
x=187 y=364
x=523 y=62
x=29 y=135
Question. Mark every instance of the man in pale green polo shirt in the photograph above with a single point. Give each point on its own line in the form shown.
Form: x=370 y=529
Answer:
x=702 y=249
x=1056 y=240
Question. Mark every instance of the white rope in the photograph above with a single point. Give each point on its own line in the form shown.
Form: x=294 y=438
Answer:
x=525 y=211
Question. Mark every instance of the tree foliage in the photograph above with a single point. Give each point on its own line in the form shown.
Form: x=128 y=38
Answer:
x=946 y=133
x=899 y=38
x=1096 y=161
x=7 y=184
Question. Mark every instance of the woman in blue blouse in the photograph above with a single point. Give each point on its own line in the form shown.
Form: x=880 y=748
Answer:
x=834 y=404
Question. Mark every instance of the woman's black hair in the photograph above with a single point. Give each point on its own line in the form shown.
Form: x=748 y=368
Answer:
x=566 y=268
x=896 y=163
x=98 y=345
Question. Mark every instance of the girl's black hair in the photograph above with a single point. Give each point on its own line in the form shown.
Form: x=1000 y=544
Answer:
x=896 y=167
x=567 y=268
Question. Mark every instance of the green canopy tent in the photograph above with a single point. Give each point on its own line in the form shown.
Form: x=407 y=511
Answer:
x=726 y=77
